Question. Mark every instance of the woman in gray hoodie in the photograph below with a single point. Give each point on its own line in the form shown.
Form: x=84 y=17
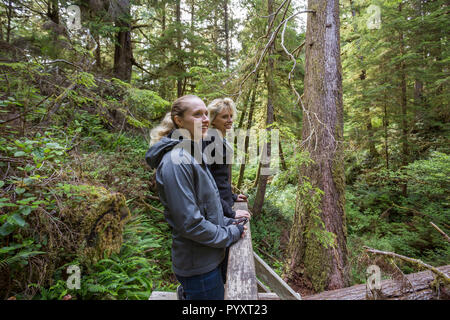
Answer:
x=200 y=231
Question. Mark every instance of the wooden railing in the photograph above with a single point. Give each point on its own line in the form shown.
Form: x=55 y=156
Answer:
x=241 y=281
x=244 y=269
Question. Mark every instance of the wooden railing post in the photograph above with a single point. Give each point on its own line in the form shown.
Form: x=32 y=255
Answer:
x=241 y=281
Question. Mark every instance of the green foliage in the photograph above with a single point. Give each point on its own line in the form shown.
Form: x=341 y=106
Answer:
x=269 y=234
x=206 y=83
x=143 y=265
x=85 y=79
x=17 y=254
x=89 y=133
x=379 y=216
x=430 y=178
x=24 y=197
x=43 y=149
x=144 y=105
x=310 y=199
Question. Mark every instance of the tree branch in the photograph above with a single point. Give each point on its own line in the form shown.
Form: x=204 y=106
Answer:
x=416 y=262
x=440 y=231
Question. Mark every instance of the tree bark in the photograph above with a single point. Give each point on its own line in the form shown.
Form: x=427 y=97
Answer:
x=266 y=152
x=179 y=63
x=280 y=151
x=403 y=104
x=324 y=268
x=249 y=126
x=98 y=58
x=53 y=11
x=9 y=14
x=123 y=52
x=386 y=135
x=193 y=61
x=163 y=31
x=243 y=114
x=227 y=33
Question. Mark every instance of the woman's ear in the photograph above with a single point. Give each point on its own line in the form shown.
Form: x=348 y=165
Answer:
x=178 y=121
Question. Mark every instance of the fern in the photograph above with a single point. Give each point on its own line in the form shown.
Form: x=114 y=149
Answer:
x=21 y=256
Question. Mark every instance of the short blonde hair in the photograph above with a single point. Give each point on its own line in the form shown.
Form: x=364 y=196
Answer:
x=218 y=105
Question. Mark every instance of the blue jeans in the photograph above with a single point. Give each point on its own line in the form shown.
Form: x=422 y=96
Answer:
x=206 y=286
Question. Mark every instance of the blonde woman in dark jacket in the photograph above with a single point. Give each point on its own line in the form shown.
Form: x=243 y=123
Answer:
x=200 y=232
x=222 y=112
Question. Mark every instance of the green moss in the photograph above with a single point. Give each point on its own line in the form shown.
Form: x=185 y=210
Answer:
x=317 y=264
x=98 y=217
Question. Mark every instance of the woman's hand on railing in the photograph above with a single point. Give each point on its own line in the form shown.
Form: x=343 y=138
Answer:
x=242 y=214
x=241 y=225
x=241 y=198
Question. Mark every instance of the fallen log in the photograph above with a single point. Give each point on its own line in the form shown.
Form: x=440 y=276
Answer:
x=391 y=289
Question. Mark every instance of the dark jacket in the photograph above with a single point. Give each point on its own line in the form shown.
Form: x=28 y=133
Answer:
x=219 y=156
x=200 y=232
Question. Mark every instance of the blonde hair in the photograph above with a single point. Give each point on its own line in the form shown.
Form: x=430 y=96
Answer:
x=217 y=105
x=168 y=124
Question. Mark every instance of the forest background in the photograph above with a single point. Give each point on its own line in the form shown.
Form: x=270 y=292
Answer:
x=80 y=93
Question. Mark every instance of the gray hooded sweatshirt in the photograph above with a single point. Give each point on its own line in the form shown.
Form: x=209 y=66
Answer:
x=200 y=232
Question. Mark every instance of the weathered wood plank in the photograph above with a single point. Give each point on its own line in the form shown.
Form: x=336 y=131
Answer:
x=241 y=277
x=390 y=290
x=274 y=281
x=163 y=295
x=268 y=296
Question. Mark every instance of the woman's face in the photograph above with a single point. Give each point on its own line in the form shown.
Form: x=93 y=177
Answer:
x=195 y=118
x=224 y=120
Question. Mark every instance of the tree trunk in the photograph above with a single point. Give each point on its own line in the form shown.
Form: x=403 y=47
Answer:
x=323 y=267
x=242 y=117
x=179 y=63
x=403 y=104
x=247 y=137
x=98 y=60
x=163 y=31
x=370 y=134
x=9 y=14
x=53 y=11
x=193 y=61
x=123 y=52
x=386 y=136
x=264 y=170
x=215 y=41
x=280 y=151
x=227 y=33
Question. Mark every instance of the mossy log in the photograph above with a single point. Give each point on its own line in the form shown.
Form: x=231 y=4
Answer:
x=86 y=226
x=422 y=288
x=96 y=217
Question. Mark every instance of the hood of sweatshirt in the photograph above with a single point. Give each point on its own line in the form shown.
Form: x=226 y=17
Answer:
x=156 y=152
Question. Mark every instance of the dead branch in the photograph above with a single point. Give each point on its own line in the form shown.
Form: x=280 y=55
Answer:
x=151 y=207
x=269 y=43
x=440 y=231
x=416 y=262
x=153 y=197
